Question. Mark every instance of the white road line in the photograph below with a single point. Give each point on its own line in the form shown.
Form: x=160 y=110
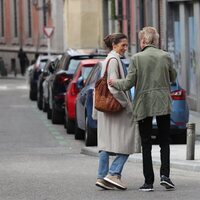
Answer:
x=22 y=87
x=3 y=87
x=12 y=87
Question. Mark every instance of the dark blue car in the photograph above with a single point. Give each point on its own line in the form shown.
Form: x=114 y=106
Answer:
x=85 y=125
x=179 y=115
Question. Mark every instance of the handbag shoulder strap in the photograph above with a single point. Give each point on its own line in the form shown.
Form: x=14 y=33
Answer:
x=106 y=71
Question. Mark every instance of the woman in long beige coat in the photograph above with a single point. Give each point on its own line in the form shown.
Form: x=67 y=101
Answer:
x=115 y=130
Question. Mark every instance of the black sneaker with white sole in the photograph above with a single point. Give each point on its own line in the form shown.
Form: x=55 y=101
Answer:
x=167 y=183
x=146 y=187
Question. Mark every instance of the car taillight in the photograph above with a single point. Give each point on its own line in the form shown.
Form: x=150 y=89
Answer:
x=59 y=97
x=178 y=95
x=62 y=79
x=74 y=90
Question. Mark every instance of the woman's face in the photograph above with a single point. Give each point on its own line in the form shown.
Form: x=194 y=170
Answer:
x=121 y=47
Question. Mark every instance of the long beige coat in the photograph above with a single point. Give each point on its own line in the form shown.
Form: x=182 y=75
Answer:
x=116 y=131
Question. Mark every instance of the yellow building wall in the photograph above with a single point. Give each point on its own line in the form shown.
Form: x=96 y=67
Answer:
x=83 y=23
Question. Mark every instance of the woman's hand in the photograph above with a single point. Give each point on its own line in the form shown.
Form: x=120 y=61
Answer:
x=110 y=82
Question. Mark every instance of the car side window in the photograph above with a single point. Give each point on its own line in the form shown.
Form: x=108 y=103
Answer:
x=95 y=75
x=73 y=65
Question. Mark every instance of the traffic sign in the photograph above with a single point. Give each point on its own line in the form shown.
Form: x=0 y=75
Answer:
x=48 y=31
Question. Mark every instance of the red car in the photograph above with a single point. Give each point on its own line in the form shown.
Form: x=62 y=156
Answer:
x=72 y=91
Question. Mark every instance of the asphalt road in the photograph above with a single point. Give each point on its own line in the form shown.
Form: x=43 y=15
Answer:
x=39 y=161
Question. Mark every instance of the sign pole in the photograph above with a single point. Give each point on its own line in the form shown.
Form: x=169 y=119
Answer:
x=49 y=46
x=48 y=31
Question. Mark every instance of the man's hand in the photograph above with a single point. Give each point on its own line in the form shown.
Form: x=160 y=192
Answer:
x=110 y=82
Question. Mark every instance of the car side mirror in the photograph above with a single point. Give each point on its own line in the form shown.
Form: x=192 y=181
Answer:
x=51 y=68
x=80 y=83
x=45 y=73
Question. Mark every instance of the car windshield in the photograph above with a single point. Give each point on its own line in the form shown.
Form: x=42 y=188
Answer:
x=85 y=72
x=73 y=65
x=42 y=64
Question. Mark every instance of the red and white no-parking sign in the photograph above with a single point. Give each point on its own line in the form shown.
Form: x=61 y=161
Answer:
x=48 y=31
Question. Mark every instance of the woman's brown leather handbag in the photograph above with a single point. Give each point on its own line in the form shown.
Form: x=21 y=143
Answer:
x=104 y=100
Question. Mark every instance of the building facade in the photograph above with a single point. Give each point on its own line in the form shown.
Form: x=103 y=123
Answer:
x=83 y=24
x=184 y=44
x=28 y=23
x=22 y=24
x=178 y=22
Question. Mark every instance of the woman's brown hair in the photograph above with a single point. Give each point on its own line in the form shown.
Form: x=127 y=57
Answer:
x=114 y=38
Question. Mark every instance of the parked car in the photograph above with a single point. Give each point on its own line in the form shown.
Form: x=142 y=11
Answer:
x=34 y=75
x=28 y=73
x=85 y=125
x=47 y=85
x=49 y=66
x=81 y=73
x=179 y=115
x=67 y=66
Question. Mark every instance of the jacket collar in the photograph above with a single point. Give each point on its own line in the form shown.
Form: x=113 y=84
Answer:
x=114 y=54
x=149 y=45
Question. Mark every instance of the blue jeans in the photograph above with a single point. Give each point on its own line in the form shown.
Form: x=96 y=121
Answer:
x=116 y=166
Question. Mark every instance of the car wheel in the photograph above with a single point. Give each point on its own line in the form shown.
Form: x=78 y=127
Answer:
x=78 y=133
x=69 y=124
x=49 y=112
x=57 y=117
x=180 y=138
x=32 y=94
x=44 y=106
x=90 y=135
x=39 y=103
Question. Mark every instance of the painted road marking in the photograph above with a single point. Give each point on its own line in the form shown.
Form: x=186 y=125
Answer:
x=3 y=87
x=52 y=130
x=13 y=87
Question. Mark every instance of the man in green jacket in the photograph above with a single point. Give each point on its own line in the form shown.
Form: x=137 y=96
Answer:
x=151 y=72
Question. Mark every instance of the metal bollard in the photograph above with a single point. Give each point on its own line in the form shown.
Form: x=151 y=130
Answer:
x=190 y=141
x=137 y=139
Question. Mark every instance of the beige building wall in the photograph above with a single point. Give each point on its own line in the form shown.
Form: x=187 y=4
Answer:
x=83 y=23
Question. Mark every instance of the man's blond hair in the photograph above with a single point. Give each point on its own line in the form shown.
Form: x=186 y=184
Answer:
x=150 y=35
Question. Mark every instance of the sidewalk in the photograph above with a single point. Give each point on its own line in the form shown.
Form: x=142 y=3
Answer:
x=178 y=152
x=195 y=118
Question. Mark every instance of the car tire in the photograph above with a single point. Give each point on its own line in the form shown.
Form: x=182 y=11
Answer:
x=90 y=135
x=49 y=112
x=32 y=93
x=69 y=124
x=78 y=133
x=56 y=117
x=44 y=106
x=180 y=138
x=39 y=103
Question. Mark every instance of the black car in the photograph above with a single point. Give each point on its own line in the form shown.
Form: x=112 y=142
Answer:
x=48 y=68
x=47 y=85
x=34 y=75
x=67 y=66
